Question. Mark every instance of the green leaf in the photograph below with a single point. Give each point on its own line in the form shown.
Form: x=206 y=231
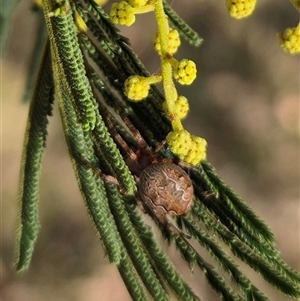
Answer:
x=34 y=143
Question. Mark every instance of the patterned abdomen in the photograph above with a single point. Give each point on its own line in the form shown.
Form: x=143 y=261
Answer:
x=166 y=189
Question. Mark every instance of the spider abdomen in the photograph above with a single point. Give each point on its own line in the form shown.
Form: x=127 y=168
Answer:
x=165 y=188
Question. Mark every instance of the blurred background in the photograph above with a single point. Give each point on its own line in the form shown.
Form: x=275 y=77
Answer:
x=244 y=102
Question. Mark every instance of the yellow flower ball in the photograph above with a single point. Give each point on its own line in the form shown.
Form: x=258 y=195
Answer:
x=180 y=109
x=181 y=106
x=197 y=151
x=191 y=149
x=240 y=8
x=179 y=142
x=122 y=13
x=290 y=40
x=185 y=72
x=136 y=88
x=173 y=42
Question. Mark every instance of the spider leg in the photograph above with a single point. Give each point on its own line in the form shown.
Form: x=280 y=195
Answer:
x=142 y=144
x=119 y=140
x=184 y=164
x=110 y=122
x=135 y=132
x=175 y=230
x=164 y=220
x=98 y=172
x=144 y=149
x=159 y=147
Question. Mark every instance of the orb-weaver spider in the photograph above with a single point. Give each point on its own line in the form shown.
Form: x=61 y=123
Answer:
x=164 y=189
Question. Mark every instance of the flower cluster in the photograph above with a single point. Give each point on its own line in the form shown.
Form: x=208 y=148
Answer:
x=124 y=12
x=189 y=148
x=240 y=8
x=185 y=71
x=137 y=87
x=181 y=108
x=290 y=39
x=173 y=42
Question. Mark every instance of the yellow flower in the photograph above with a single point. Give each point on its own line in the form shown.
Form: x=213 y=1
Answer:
x=240 y=8
x=290 y=40
x=180 y=109
x=197 y=151
x=173 y=42
x=188 y=148
x=185 y=72
x=122 y=13
x=136 y=88
x=181 y=106
x=179 y=142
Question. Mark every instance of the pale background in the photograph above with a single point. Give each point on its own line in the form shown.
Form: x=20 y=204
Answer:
x=245 y=102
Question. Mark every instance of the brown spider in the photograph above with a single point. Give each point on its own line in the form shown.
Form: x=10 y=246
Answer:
x=163 y=187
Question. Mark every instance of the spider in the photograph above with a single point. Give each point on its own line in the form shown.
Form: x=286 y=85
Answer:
x=163 y=187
